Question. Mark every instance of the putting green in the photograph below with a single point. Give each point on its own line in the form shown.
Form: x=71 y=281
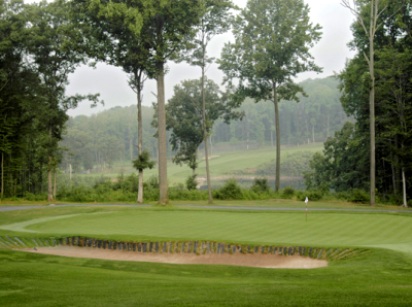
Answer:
x=391 y=231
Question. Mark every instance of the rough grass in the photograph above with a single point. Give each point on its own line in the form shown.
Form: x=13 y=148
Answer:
x=374 y=277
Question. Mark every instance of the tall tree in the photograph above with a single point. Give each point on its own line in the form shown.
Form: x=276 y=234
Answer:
x=215 y=20
x=370 y=31
x=168 y=26
x=185 y=114
x=14 y=78
x=118 y=25
x=56 y=53
x=272 y=42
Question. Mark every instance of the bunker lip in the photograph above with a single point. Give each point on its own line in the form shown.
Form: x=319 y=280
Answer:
x=249 y=260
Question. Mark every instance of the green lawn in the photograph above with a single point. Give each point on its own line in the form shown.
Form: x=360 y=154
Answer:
x=221 y=164
x=380 y=275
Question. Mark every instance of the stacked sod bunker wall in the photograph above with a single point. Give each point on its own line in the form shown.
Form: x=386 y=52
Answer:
x=174 y=247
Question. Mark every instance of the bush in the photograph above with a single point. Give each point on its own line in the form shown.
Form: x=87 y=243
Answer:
x=260 y=185
x=230 y=191
x=35 y=197
x=76 y=194
x=288 y=192
x=313 y=195
x=184 y=194
x=191 y=183
x=359 y=196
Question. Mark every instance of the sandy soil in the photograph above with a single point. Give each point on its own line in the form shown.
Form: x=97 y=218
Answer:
x=250 y=260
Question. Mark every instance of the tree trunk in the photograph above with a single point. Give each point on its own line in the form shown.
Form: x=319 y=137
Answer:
x=405 y=204
x=54 y=184
x=139 y=137
x=277 y=131
x=50 y=181
x=313 y=133
x=2 y=175
x=205 y=138
x=162 y=146
x=372 y=106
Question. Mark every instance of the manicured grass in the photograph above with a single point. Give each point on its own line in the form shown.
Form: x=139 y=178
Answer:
x=377 y=278
x=373 y=277
x=221 y=164
x=320 y=229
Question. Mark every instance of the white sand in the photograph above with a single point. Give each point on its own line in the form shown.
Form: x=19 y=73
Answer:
x=250 y=260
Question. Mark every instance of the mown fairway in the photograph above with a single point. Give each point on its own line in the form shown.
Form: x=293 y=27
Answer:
x=378 y=275
x=221 y=164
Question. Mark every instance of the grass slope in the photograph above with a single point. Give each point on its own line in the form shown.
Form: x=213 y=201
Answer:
x=374 y=277
x=221 y=164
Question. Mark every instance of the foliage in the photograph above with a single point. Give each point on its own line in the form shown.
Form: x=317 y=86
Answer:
x=260 y=185
x=272 y=40
x=288 y=192
x=191 y=183
x=40 y=47
x=143 y=161
x=343 y=166
x=230 y=190
x=111 y=135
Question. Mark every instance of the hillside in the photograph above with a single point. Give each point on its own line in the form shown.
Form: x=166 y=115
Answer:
x=100 y=143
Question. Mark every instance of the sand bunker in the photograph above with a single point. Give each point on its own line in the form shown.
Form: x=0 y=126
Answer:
x=250 y=260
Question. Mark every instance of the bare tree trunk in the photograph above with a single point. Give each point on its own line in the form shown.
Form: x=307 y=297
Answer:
x=277 y=128
x=205 y=137
x=405 y=204
x=54 y=184
x=372 y=119
x=139 y=145
x=370 y=32
x=49 y=181
x=313 y=133
x=2 y=175
x=162 y=146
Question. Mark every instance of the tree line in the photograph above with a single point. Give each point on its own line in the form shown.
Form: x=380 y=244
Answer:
x=377 y=92
x=91 y=143
x=39 y=48
x=42 y=43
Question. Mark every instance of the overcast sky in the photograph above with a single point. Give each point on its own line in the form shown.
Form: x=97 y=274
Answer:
x=331 y=53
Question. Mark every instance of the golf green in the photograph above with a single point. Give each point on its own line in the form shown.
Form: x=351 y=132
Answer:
x=391 y=231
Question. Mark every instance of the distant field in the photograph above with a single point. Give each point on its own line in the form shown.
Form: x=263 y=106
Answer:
x=378 y=275
x=222 y=165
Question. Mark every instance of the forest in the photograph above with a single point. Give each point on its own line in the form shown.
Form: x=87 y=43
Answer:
x=92 y=143
x=363 y=115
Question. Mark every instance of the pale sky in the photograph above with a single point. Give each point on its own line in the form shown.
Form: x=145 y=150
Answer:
x=331 y=53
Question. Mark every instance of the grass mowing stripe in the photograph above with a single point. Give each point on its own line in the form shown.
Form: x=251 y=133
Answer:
x=376 y=277
x=321 y=229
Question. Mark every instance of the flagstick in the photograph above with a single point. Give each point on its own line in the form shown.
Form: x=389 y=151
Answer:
x=306 y=210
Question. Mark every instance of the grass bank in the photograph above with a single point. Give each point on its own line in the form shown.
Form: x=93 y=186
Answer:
x=378 y=276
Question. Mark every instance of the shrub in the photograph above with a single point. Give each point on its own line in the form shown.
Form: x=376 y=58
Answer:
x=230 y=190
x=288 y=192
x=184 y=194
x=313 y=195
x=359 y=196
x=35 y=197
x=191 y=183
x=260 y=185
x=77 y=194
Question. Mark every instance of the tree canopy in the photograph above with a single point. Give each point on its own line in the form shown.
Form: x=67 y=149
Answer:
x=272 y=42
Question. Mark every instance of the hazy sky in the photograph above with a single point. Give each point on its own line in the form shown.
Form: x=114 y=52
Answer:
x=331 y=53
